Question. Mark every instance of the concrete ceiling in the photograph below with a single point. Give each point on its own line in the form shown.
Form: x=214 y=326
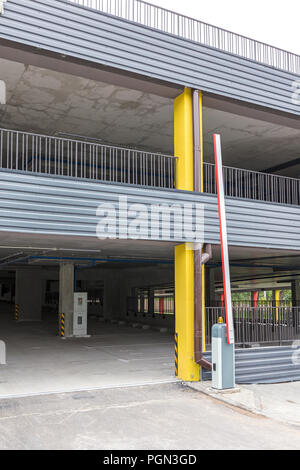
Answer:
x=15 y=245
x=250 y=268
x=256 y=268
x=249 y=143
x=49 y=102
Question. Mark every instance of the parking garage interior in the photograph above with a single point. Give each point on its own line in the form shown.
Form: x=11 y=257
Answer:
x=130 y=285
x=130 y=316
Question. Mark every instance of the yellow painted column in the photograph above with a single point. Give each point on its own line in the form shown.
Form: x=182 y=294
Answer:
x=183 y=140
x=277 y=302
x=187 y=368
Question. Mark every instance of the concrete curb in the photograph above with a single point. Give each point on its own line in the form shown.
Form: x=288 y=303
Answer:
x=242 y=398
x=226 y=396
x=140 y=325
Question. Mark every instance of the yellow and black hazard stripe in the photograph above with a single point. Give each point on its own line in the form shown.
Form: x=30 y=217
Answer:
x=176 y=354
x=62 y=325
x=17 y=312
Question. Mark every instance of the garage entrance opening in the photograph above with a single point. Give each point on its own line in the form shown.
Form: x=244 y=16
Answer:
x=130 y=328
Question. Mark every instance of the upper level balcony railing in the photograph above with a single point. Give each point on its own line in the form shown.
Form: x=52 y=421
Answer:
x=185 y=27
x=50 y=155
x=247 y=184
x=36 y=153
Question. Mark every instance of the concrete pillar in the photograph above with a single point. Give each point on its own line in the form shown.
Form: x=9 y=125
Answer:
x=124 y=292
x=151 y=302
x=112 y=304
x=183 y=140
x=44 y=289
x=66 y=298
x=189 y=275
x=28 y=295
x=187 y=369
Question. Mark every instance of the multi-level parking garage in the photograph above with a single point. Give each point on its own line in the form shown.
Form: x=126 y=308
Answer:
x=76 y=135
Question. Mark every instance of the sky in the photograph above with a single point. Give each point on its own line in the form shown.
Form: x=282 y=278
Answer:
x=274 y=22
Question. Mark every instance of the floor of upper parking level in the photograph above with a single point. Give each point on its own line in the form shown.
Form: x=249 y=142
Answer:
x=40 y=362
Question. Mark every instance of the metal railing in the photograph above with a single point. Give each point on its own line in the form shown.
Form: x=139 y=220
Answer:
x=259 y=303
x=159 y=306
x=37 y=153
x=185 y=27
x=261 y=325
x=52 y=298
x=164 y=305
x=248 y=184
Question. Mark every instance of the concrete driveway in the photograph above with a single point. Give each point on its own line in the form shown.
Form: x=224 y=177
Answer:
x=160 y=417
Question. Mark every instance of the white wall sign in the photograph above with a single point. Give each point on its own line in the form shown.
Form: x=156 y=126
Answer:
x=224 y=242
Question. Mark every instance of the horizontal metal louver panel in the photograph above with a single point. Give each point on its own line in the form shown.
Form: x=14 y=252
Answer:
x=67 y=206
x=264 y=365
x=61 y=27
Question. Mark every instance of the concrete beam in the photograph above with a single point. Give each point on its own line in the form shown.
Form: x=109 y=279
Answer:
x=66 y=298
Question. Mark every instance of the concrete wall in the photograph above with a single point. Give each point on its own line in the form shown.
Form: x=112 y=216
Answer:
x=29 y=294
x=146 y=277
x=118 y=284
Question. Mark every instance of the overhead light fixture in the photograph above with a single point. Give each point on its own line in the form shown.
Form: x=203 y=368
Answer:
x=34 y=248
x=79 y=250
x=25 y=248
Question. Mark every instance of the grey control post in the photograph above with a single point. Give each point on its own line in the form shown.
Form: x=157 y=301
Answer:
x=223 y=358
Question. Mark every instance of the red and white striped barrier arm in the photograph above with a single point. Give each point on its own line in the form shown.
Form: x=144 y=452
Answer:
x=223 y=236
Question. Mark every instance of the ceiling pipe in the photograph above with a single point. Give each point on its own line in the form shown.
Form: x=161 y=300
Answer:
x=9 y=257
x=101 y=260
x=18 y=260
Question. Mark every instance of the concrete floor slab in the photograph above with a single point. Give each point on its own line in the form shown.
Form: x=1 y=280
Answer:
x=39 y=362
